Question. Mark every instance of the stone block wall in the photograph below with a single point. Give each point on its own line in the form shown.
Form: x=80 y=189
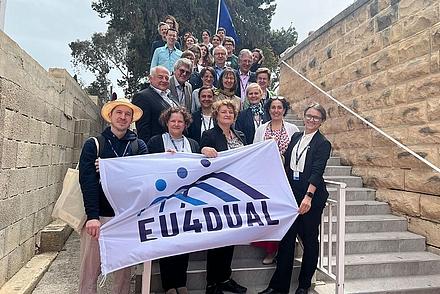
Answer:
x=381 y=58
x=41 y=116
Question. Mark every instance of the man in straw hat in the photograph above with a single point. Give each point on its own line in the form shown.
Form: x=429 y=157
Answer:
x=115 y=141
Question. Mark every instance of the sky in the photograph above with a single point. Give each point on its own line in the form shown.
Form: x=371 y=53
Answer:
x=44 y=28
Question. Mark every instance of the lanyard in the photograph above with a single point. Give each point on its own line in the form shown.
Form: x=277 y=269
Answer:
x=242 y=84
x=257 y=121
x=298 y=157
x=175 y=146
x=114 y=151
x=209 y=124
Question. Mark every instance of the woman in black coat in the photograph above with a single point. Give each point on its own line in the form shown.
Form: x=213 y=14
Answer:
x=175 y=120
x=253 y=116
x=306 y=159
x=220 y=138
x=202 y=119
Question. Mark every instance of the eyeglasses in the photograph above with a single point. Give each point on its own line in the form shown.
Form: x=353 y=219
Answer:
x=184 y=72
x=313 y=118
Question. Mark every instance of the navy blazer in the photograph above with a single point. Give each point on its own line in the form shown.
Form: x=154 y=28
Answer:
x=316 y=161
x=152 y=104
x=245 y=123
x=252 y=79
x=216 y=139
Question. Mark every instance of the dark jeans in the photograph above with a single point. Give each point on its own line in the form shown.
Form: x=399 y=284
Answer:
x=307 y=227
x=218 y=264
x=173 y=271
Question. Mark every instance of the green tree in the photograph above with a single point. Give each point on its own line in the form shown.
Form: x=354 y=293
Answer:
x=132 y=27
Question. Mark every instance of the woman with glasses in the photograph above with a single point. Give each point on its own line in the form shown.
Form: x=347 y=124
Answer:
x=221 y=137
x=175 y=120
x=207 y=75
x=226 y=88
x=306 y=159
x=250 y=119
x=281 y=131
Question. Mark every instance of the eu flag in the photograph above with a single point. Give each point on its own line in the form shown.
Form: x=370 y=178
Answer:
x=224 y=20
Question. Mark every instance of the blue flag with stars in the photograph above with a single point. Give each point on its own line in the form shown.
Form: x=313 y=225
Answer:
x=225 y=21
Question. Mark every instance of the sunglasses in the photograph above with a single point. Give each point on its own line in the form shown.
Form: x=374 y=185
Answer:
x=184 y=72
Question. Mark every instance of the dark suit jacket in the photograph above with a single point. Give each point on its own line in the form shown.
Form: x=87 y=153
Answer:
x=245 y=123
x=316 y=161
x=152 y=105
x=155 y=145
x=252 y=79
x=216 y=139
x=195 y=127
x=187 y=91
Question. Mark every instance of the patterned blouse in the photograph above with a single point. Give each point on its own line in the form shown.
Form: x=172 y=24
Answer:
x=280 y=136
x=234 y=143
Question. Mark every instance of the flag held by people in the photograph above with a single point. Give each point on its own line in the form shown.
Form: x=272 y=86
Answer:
x=168 y=204
x=224 y=20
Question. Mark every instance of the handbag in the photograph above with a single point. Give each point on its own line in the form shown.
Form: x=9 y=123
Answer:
x=70 y=205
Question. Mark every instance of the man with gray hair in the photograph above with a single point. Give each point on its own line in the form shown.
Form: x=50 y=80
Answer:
x=180 y=88
x=153 y=100
x=220 y=54
x=243 y=75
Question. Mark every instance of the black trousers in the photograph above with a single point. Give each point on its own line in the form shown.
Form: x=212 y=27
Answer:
x=173 y=271
x=218 y=264
x=307 y=227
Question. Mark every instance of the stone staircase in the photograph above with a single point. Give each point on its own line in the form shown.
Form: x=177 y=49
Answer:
x=382 y=256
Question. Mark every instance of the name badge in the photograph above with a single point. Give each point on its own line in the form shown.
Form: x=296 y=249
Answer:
x=296 y=175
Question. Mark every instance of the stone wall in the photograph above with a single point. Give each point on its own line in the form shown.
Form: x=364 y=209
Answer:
x=381 y=58
x=44 y=117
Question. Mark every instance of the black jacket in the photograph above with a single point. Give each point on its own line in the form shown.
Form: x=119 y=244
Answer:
x=195 y=128
x=252 y=79
x=316 y=161
x=216 y=139
x=245 y=123
x=152 y=104
x=95 y=202
x=155 y=145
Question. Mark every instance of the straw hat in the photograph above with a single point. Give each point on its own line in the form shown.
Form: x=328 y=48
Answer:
x=109 y=106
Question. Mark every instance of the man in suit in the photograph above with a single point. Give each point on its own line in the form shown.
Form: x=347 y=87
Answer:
x=153 y=100
x=180 y=88
x=243 y=74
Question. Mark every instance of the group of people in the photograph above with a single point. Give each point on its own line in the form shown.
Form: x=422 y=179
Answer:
x=227 y=108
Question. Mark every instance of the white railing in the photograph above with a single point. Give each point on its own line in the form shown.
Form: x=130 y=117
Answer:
x=326 y=267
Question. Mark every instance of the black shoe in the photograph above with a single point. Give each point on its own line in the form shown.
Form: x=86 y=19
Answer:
x=271 y=291
x=301 y=291
x=232 y=286
x=213 y=289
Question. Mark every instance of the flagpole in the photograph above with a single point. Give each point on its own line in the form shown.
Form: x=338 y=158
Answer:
x=218 y=15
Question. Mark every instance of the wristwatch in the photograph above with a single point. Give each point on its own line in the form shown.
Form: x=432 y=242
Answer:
x=310 y=194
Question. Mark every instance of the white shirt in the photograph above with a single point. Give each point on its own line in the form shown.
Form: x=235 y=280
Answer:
x=299 y=152
x=165 y=96
x=180 y=145
x=207 y=123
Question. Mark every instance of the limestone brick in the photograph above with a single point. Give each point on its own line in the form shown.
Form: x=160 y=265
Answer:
x=425 y=88
x=415 y=46
x=354 y=20
x=408 y=114
x=429 y=229
x=415 y=23
x=17 y=182
x=370 y=84
x=401 y=201
x=415 y=68
x=364 y=31
x=386 y=17
x=384 y=59
x=406 y=160
x=23 y=154
x=391 y=178
x=435 y=62
x=26 y=228
x=396 y=33
x=411 y=7
x=433 y=108
x=353 y=139
x=424 y=134
x=15 y=261
x=12 y=237
x=435 y=37
x=2 y=243
x=398 y=133
x=9 y=154
x=430 y=207
x=3 y=270
x=423 y=181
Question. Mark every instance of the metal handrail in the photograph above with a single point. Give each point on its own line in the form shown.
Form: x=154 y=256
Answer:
x=425 y=161
x=339 y=275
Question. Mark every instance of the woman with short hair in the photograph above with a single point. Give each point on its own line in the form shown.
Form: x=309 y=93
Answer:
x=227 y=84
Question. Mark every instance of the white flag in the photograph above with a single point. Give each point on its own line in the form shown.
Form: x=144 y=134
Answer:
x=168 y=204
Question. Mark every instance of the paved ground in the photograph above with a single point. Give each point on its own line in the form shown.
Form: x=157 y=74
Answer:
x=62 y=276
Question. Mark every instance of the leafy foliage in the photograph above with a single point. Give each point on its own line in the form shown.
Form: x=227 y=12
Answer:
x=126 y=46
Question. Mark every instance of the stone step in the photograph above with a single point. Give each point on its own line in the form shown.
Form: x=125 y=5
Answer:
x=363 y=207
x=393 y=264
x=428 y=284
x=354 y=193
x=351 y=181
x=370 y=223
x=363 y=243
x=337 y=170
x=334 y=160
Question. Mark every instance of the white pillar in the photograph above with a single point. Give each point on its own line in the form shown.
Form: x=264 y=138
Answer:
x=2 y=14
